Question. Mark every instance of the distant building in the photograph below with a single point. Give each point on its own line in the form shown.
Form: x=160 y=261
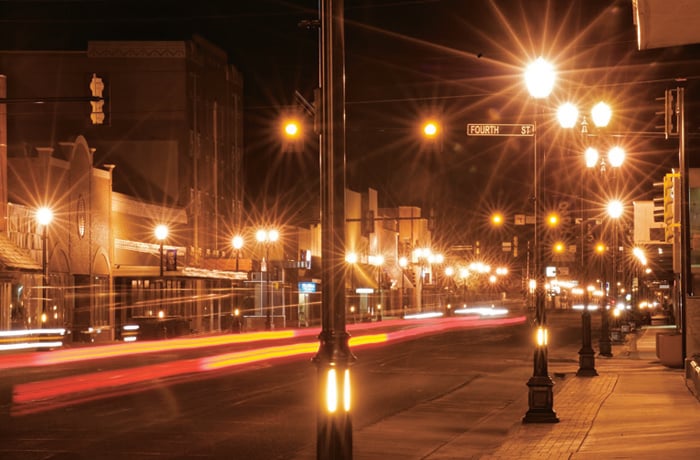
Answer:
x=173 y=124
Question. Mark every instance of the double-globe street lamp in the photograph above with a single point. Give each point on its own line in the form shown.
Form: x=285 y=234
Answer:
x=568 y=116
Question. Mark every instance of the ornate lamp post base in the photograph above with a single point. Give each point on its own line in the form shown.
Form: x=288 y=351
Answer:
x=540 y=400
x=586 y=355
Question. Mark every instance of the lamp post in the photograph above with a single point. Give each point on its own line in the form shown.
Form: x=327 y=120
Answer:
x=403 y=263
x=267 y=238
x=161 y=235
x=615 y=158
x=237 y=243
x=334 y=358
x=539 y=78
x=351 y=258
x=567 y=115
x=615 y=209
x=378 y=261
x=44 y=217
x=421 y=255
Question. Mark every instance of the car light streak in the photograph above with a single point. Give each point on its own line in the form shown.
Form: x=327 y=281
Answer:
x=49 y=394
x=92 y=352
x=27 y=339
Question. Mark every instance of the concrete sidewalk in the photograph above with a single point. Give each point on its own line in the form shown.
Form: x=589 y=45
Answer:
x=635 y=408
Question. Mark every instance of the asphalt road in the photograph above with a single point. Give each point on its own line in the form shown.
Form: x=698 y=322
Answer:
x=264 y=410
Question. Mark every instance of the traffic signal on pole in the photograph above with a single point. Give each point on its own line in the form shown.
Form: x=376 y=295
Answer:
x=97 y=102
x=670 y=112
x=658 y=202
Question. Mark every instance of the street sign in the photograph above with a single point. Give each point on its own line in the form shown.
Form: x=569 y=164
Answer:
x=490 y=129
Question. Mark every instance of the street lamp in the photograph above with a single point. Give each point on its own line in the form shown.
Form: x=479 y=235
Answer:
x=430 y=129
x=615 y=209
x=237 y=243
x=378 y=261
x=44 y=217
x=539 y=79
x=601 y=113
x=421 y=255
x=161 y=234
x=267 y=238
x=403 y=263
x=334 y=358
x=351 y=258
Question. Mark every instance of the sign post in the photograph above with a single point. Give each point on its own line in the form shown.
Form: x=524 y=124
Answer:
x=491 y=129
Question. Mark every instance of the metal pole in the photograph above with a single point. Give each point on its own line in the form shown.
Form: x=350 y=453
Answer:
x=540 y=394
x=686 y=280
x=604 y=342
x=333 y=360
x=586 y=355
x=45 y=267
x=161 y=258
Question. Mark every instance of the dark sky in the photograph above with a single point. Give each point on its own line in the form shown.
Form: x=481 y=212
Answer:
x=459 y=61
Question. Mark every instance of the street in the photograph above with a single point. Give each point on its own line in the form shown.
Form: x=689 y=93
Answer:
x=262 y=410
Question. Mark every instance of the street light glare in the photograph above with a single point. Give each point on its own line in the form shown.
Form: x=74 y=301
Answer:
x=291 y=128
x=539 y=78
x=237 y=242
x=616 y=156
x=601 y=114
x=591 y=155
x=44 y=216
x=430 y=129
x=567 y=114
x=161 y=232
x=615 y=209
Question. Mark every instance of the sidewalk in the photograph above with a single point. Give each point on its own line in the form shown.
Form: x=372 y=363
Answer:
x=635 y=408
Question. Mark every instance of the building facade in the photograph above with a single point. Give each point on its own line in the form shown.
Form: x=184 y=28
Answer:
x=173 y=124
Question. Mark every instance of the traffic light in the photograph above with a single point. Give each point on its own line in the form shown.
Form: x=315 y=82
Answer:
x=670 y=112
x=658 y=202
x=671 y=206
x=97 y=102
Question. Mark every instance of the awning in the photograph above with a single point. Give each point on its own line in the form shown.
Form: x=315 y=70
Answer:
x=14 y=258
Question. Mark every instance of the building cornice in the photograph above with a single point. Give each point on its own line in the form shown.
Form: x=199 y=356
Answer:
x=137 y=49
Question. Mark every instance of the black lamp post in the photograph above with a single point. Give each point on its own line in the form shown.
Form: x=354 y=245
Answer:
x=161 y=235
x=403 y=263
x=237 y=243
x=539 y=78
x=267 y=237
x=334 y=358
x=44 y=216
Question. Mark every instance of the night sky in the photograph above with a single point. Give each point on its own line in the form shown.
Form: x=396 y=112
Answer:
x=457 y=61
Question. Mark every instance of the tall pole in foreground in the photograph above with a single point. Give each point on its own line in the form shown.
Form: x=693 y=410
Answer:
x=539 y=78
x=333 y=360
